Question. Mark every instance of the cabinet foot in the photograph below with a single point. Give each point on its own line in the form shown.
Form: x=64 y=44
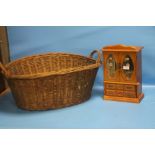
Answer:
x=125 y=99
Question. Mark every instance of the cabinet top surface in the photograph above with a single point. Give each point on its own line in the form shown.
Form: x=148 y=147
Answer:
x=123 y=48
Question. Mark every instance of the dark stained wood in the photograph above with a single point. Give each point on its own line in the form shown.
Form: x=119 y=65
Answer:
x=4 y=55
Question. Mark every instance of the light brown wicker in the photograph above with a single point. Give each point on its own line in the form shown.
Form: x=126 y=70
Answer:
x=52 y=80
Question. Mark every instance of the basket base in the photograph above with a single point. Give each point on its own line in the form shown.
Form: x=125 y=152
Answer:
x=51 y=107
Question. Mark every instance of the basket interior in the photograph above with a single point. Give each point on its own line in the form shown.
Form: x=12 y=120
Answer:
x=52 y=62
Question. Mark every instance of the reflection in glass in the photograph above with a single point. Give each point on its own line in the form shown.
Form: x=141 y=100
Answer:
x=128 y=66
x=111 y=66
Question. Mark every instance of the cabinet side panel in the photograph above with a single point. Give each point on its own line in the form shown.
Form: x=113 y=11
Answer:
x=2 y=82
x=139 y=67
x=139 y=72
x=4 y=54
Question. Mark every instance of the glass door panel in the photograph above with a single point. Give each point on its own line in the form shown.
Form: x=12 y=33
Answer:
x=110 y=65
x=127 y=67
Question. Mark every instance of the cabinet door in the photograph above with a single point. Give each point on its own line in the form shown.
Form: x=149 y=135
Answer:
x=128 y=67
x=111 y=72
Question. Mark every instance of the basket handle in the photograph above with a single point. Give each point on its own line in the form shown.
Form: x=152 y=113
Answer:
x=3 y=70
x=98 y=53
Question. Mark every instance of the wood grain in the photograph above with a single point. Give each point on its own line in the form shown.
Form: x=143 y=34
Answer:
x=119 y=87
x=4 y=55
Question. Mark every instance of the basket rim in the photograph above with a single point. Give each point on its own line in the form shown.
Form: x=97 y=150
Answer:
x=46 y=74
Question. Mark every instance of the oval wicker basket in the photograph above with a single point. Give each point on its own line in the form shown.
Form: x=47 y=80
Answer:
x=52 y=80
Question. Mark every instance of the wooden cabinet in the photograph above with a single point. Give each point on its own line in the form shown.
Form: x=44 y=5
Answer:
x=4 y=55
x=122 y=73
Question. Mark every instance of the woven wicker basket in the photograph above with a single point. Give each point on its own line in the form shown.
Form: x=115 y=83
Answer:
x=52 y=80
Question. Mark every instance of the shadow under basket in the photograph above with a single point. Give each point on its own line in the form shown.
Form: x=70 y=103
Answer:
x=52 y=80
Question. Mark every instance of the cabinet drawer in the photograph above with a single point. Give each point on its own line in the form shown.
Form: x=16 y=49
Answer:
x=119 y=86
x=110 y=86
x=111 y=92
x=114 y=93
x=130 y=94
x=119 y=93
x=129 y=88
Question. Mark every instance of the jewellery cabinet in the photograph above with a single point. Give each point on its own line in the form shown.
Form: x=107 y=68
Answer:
x=123 y=73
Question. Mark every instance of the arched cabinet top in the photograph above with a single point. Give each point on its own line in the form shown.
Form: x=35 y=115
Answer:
x=122 y=48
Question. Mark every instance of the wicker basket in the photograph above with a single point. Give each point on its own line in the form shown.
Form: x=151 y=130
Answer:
x=52 y=80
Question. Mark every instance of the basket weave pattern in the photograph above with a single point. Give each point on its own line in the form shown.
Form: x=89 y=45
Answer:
x=50 y=81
